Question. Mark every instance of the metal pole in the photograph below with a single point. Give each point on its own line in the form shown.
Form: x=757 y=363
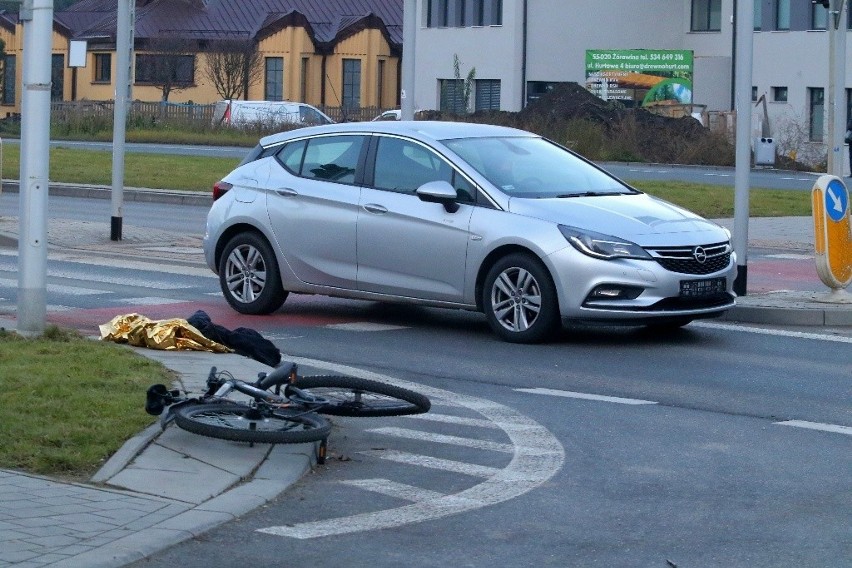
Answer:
x=123 y=51
x=37 y=19
x=744 y=21
x=409 y=29
x=836 y=111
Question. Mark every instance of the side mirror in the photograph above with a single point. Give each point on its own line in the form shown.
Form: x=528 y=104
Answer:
x=439 y=192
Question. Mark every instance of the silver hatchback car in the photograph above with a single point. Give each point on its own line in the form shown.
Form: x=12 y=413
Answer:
x=460 y=215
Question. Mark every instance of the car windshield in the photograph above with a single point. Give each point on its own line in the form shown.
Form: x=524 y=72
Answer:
x=531 y=167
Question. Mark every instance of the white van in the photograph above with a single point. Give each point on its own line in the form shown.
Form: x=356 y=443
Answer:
x=267 y=113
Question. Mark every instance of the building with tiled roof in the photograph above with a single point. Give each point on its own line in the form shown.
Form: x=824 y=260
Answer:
x=324 y=52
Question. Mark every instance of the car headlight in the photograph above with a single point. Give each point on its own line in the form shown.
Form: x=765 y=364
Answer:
x=602 y=246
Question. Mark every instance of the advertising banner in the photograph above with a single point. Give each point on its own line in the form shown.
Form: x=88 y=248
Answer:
x=640 y=77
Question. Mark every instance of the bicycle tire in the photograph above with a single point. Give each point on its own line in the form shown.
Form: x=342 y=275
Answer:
x=240 y=423
x=351 y=396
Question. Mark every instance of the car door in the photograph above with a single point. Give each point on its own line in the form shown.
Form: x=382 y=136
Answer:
x=312 y=204
x=408 y=247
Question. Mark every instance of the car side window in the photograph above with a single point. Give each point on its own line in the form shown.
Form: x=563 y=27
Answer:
x=403 y=166
x=290 y=156
x=332 y=158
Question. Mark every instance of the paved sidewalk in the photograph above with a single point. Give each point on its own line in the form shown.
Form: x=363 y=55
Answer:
x=160 y=488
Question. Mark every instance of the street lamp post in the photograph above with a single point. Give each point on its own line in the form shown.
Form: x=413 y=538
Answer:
x=744 y=21
x=37 y=20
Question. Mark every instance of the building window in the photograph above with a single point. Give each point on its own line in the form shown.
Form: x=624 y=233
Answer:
x=460 y=13
x=57 y=77
x=848 y=105
x=103 y=68
x=495 y=17
x=779 y=94
x=706 y=15
x=9 y=80
x=753 y=93
x=819 y=17
x=159 y=69
x=273 y=89
x=782 y=15
x=487 y=94
x=758 y=15
x=380 y=84
x=303 y=89
x=437 y=13
x=452 y=96
x=351 y=83
x=816 y=101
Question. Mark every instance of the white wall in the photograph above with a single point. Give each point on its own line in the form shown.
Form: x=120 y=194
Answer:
x=494 y=52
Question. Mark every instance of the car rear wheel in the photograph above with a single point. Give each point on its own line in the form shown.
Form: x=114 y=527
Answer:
x=249 y=275
x=519 y=300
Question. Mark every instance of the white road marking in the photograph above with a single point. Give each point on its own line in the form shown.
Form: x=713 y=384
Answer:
x=364 y=326
x=394 y=489
x=777 y=332
x=444 y=439
x=150 y=301
x=537 y=457
x=586 y=396
x=433 y=463
x=56 y=288
x=125 y=280
x=449 y=419
x=791 y=256
x=817 y=426
x=155 y=264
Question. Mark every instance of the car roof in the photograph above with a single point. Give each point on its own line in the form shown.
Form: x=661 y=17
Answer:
x=422 y=129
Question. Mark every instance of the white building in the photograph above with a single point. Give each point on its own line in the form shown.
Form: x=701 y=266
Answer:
x=518 y=48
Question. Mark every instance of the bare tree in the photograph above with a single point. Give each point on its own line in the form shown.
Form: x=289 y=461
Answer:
x=233 y=66
x=169 y=64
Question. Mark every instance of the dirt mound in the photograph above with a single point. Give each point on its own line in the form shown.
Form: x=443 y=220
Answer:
x=616 y=132
x=657 y=138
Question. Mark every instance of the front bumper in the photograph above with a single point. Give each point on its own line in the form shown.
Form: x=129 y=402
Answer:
x=651 y=292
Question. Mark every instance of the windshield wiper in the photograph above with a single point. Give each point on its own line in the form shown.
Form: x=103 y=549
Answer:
x=584 y=194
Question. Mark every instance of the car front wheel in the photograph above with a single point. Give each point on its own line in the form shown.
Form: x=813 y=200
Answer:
x=519 y=300
x=249 y=275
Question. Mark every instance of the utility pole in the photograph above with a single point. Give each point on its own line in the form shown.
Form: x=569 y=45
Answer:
x=37 y=20
x=836 y=111
x=409 y=29
x=744 y=22
x=125 y=22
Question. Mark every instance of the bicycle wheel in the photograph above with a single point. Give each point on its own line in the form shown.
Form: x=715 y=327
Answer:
x=241 y=423
x=350 y=396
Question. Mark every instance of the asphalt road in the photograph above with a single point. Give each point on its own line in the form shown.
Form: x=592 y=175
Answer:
x=759 y=177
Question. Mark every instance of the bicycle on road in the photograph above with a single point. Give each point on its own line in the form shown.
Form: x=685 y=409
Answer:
x=282 y=407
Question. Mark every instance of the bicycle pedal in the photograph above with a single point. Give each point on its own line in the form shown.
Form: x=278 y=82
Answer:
x=155 y=399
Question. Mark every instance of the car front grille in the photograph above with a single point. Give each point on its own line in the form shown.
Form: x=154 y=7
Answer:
x=704 y=259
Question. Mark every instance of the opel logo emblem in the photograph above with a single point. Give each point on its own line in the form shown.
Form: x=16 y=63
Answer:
x=700 y=255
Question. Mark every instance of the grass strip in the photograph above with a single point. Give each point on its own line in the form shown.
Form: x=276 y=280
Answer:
x=199 y=173
x=67 y=403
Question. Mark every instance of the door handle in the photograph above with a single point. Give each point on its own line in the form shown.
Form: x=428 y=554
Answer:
x=375 y=208
x=287 y=192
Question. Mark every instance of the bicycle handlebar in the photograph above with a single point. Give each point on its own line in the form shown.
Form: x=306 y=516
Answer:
x=283 y=373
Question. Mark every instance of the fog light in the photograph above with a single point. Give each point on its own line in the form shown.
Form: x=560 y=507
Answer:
x=614 y=292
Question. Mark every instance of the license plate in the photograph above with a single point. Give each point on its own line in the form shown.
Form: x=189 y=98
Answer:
x=708 y=287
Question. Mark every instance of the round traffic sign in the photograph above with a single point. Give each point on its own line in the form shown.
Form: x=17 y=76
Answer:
x=836 y=200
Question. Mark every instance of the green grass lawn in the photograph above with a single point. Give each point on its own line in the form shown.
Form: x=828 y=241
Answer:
x=67 y=403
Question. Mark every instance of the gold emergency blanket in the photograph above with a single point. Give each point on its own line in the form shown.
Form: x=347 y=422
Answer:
x=170 y=334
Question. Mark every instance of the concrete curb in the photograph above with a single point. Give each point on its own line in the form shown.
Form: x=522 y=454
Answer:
x=144 y=195
x=126 y=453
